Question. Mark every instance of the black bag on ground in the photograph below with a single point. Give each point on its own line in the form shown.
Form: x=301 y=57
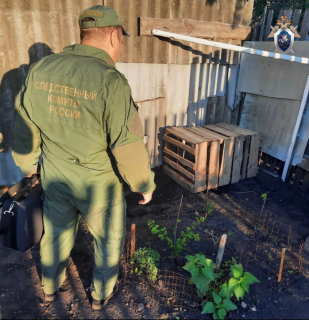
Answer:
x=21 y=219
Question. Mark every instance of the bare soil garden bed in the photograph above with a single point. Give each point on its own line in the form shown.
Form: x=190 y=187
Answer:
x=255 y=239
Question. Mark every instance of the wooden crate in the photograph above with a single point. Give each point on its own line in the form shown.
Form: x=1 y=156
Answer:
x=185 y=158
x=250 y=158
x=232 y=154
x=210 y=156
x=216 y=176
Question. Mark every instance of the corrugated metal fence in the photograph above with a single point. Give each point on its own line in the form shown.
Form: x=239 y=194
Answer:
x=183 y=84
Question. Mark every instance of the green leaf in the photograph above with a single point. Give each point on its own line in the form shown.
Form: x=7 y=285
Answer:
x=229 y=305
x=217 y=298
x=202 y=286
x=215 y=315
x=237 y=270
x=224 y=292
x=190 y=258
x=245 y=285
x=208 y=273
x=239 y=292
x=232 y=284
x=250 y=278
x=199 y=293
x=203 y=303
x=191 y=267
x=209 y=308
x=222 y=313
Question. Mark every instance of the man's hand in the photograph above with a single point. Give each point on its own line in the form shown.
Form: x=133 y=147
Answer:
x=147 y=197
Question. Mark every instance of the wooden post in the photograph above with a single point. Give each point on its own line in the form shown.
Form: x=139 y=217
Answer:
x=221 y=251
x=281 y=264
x=263 y=24
x=132 y=241
x=296 y=18
x=304 y=27
x=269 y=24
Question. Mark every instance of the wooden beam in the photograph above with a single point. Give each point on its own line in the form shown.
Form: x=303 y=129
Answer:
x=269 y=24
x=304 y=26
x=296 y=18
x=179 y=144
x=195 y=28
x=263 y=24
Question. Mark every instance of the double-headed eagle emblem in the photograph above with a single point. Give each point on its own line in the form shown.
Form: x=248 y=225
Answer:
x=284 y=34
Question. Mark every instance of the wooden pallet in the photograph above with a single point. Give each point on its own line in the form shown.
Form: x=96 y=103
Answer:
x=231 y=156
x=299 y=177
x=185 y=158
x=250 y=159
x=210 y=156
x=216 y=176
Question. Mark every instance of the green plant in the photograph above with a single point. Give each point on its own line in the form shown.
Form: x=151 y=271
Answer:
x=264 y=197
x=214 y=285
x=239 y=282
x=230 y=233
x=178 y=243
x=208 y=208
x=229 y=262
x=218 y=307
x=146 y=259
x=202 y=272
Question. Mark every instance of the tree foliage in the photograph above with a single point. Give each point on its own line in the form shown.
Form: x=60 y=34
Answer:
x=277 y=5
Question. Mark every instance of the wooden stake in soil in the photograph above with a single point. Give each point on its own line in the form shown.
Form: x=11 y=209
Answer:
x=281 y=264
x=132 y=241
x=221 y=252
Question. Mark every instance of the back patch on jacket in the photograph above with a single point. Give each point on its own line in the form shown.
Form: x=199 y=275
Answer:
x=67 y=101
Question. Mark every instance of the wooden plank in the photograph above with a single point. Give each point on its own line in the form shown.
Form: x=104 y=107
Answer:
x=180 y=180
x=185 y=162
x=195 y=28
x=245 y=157
x=201 y=163
x=213 y=165
x=253 y=164
x=179 y=168
x=263 y=23
x=304 y=26
x=269 y=173
x=226 y=163
x=237 y=159
x=269 y=24
x=178 y=144
x=237 y=129
x=225 y=132
x=133 y=238
x=211 y=136
x=287 y=13
x=296 y=18
x=185 y=134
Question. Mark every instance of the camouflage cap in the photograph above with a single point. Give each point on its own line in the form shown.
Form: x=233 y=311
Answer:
x=102 y=17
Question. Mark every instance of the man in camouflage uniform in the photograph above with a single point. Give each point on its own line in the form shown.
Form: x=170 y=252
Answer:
x=76 y=109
